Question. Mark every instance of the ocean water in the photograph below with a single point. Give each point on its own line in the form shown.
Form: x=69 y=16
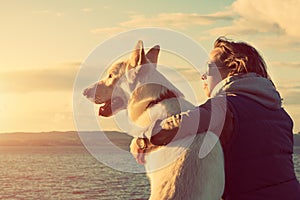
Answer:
x=64 y=173
x=69 y=173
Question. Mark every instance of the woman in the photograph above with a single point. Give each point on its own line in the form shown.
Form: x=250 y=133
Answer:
x=255 y=131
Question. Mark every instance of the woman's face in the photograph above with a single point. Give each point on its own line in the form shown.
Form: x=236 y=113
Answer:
x=212 y=76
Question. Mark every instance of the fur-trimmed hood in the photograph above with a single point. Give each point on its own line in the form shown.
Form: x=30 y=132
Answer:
x=251 y=85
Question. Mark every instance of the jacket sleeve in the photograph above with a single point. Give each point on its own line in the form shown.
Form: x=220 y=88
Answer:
x=209 y=116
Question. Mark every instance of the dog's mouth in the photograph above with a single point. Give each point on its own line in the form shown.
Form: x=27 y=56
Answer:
x=111 y=106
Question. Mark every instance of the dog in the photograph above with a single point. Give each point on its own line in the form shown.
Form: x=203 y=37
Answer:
x=175 y=170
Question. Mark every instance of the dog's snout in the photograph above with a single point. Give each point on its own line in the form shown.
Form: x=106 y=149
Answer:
x=85 y=92
x=90 y=91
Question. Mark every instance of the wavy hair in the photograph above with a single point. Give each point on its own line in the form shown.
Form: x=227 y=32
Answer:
x=240 y=57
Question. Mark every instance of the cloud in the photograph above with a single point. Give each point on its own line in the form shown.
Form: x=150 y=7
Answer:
x=50 y=12
x=293 y=65
x=175 y=20
x=166 y=20
x=107 y=31
x=42 y=11
x=292 y=97
x=87 y=10
x=290 y=91
x=181 y=74
x=57 y=78
x=290 y=87
x=275 y=22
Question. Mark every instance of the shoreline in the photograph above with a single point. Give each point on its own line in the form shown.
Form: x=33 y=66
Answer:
x=72 y=138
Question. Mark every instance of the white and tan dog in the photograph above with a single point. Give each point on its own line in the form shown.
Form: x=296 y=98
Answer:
x=175 y=170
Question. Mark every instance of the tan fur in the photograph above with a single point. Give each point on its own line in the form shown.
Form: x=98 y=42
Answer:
x=141 y=98
x=175 y=171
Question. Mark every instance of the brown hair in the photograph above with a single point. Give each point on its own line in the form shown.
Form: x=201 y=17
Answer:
x=240 y=57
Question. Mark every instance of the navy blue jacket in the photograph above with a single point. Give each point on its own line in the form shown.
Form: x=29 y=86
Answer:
x=258 y=158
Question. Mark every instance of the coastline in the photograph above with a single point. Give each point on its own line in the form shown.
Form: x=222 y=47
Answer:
x=57 y=138
x=71 y=138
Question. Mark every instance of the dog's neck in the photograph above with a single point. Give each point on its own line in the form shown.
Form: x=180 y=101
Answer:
x=167 y=95
x=144 y=100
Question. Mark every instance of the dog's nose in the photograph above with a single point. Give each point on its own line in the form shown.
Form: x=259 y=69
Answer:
x=85 y=92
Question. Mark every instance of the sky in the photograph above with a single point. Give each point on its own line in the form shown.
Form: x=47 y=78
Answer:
x=44 y=43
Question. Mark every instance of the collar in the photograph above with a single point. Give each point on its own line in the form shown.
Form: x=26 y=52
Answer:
x=145 y=145
x=168 y=95
x=142 y=143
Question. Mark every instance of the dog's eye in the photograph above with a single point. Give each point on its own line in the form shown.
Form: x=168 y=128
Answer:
x=110 y=76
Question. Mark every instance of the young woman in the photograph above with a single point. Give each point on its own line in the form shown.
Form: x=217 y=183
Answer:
x=244 y=110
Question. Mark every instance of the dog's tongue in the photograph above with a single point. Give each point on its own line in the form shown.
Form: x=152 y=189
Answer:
x=141 y=157
x=105 y=109
x=110 y=106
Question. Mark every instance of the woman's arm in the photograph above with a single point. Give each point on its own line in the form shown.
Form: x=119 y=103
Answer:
x=209 y=116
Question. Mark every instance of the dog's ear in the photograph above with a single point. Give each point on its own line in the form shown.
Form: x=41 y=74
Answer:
x=152 y=54
x=138 y=56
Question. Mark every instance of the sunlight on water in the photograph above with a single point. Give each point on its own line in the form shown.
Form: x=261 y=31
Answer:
x=64 y=173
x=69 y=173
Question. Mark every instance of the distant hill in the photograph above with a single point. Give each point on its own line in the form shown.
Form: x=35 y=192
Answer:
x=70 y=138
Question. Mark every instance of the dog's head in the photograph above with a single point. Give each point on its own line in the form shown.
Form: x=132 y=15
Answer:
x=113 y=91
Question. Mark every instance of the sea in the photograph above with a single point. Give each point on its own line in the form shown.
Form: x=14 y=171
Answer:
x=70 y=172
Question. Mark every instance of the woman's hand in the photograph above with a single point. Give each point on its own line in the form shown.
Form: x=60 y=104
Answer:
x=165 y=130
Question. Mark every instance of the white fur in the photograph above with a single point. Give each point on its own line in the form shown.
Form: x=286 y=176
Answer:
x=177 y=172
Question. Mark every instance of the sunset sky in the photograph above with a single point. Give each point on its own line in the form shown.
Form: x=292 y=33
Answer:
x=43 y=44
